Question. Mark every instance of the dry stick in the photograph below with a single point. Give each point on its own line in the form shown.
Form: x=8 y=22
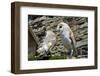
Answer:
x=33 y=35
x=31 y=22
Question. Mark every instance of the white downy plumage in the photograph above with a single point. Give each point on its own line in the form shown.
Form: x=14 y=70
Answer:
x=48 y=42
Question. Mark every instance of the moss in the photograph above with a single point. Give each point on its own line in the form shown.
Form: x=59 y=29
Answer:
x=31 y=56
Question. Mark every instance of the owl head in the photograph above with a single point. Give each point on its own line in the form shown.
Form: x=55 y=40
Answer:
x=62 y=26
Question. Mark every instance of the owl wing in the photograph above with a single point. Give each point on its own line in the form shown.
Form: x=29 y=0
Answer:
x=73 y=43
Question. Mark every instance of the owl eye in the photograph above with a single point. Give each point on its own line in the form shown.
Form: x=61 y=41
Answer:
x=60 y=26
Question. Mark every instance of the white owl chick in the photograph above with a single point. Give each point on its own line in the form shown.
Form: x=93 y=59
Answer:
x=67 y=38
x=48 y=43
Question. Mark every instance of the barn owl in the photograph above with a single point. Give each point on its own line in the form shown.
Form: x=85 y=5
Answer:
x=68 y=39
x=48 y=43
